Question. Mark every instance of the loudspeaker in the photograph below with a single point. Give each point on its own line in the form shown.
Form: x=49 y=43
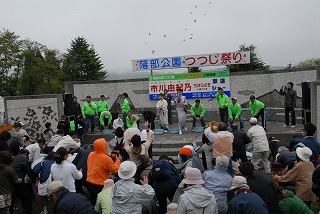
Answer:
x=306 y=103
x=306 y=116
x=67 y=104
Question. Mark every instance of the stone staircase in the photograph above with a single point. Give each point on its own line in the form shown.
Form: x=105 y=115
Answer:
x=170 y=144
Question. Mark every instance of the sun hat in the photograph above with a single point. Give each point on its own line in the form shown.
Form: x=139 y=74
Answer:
x=127 y=170
x=222 y=161
x=54 y=186
x=108 y=184
x=192 y=176
x=304 y=153
x=253 y=120
x=239 y=182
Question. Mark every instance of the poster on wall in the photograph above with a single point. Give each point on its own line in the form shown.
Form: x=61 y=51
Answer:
x=194 y=85
x=189 y=61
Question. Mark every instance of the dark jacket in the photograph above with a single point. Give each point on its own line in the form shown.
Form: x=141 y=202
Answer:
x=79 y=126
x=43 y=169
x=168 y=98
x=75 y=109
x=22 y=167
x=149 y=115
x=261 y=184
x=290 y=97
x=71 y=202
x=171 y=181
x=286 y=157
x=293 y=144
x=3 y=145
x=316 y=181
x=240 y=140
x=314 y=145
x=80 y=161
x=247 y=202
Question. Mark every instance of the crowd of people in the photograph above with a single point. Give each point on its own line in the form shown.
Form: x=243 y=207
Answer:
x=222 y=175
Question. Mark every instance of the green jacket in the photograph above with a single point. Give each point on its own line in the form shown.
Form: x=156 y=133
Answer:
x=104 y=201
x=292 y=204
x=234 y=109
x=129 y=121
x=102 y=106
x=101 y=118
x=255 y=107
x=125 y=106
x=72 y=125
x=223 y=101
x=197 y=111
x=87 y=110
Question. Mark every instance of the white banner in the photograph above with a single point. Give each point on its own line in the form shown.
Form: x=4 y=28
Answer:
x=214 y=59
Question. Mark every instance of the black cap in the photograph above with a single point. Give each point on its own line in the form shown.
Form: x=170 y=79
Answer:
x=252 y=97
x=219 y=88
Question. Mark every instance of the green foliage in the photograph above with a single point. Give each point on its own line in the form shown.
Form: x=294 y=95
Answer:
x=82 y=62
x=42 y=73
x=255 y=62
x=308 y=63
x=10 y=62
x=194 y=70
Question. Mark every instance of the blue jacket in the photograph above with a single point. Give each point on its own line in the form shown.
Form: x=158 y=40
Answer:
x=218 y=181
x=174 y=180
x=314 y=145
x=73 y=203
x=44 y=169
x=247 y=202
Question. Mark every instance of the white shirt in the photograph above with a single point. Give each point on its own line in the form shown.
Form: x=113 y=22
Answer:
x=67 y=173
x=144 y=135
x=34 y=151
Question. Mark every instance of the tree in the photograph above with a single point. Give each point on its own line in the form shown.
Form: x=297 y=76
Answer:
x=42 y=73
x=308 y=63
x=82 y=62
x=10 y=62
x=194 y=70
x=255 y=62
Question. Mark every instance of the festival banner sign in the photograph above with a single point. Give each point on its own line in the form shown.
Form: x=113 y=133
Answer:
x=214 y=59
x=194 y=85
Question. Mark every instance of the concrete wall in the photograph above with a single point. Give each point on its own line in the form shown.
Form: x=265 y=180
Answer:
x=34 y=111
x=243 y=84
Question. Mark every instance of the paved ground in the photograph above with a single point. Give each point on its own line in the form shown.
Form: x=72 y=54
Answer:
x=170 y=144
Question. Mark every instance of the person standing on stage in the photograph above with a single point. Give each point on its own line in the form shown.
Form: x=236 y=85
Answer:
x=223 y=103
x=289 y=103
x=168 y=98
x=181 y=103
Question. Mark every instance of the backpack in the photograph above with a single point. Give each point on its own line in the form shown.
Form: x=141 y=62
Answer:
x=163 y=170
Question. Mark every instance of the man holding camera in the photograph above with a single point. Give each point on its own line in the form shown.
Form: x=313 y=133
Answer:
x=289 y=103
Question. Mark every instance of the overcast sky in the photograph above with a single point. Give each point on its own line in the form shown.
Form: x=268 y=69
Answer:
x=283 y=31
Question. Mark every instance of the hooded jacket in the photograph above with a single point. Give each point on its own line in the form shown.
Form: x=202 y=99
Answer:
x=127 y=197
x=100 y=164
x=196 y=199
